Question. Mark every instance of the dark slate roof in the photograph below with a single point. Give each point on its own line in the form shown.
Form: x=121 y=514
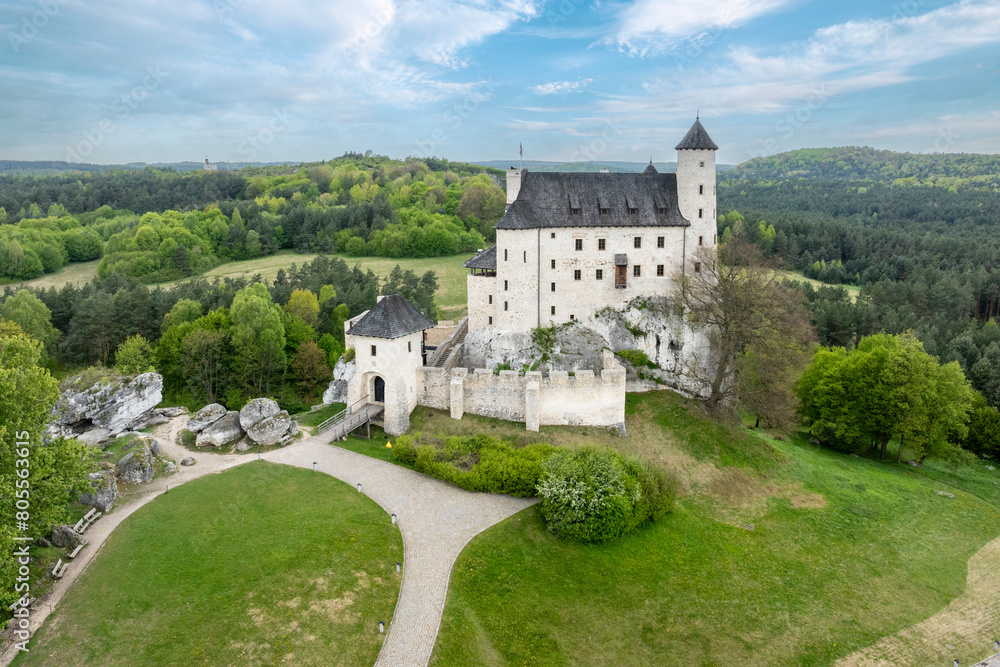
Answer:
x=487 y=259
x=545 y=200
x=696 y=138
x=621 y=259
x=391 y=317
x=650 y=169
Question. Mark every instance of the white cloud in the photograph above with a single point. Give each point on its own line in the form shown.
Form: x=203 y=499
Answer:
x=561 y=87
x=648 y=27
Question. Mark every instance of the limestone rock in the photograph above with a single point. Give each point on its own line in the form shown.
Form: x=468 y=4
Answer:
x=342 y=374
x=257 y=410
x=242 y=445
x=170 y=413
x=270 y=430
x=222 y=431
x=105 y=490
x=205 y=417
x=170 y=467
x=96 y=437
x=187 y=461
x=136 y=467
x=64 y=536
x=114 y=404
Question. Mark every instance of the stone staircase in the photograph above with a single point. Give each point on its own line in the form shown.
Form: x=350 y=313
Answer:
x=448 y=349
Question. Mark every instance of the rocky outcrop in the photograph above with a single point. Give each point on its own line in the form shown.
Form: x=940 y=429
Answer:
x=64 y=536
x=187 y=461
x=271 y=430
x=105 y=490
x=136 y=467
x=97 y=437
x=222 y=431
x=342 y=374
x=258 y=410
x=113 y=403
x=205 y=417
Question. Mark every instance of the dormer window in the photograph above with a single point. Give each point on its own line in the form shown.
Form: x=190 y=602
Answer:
x=574 y=211
x=633 y=211
x=661 y=211
x=605 y=211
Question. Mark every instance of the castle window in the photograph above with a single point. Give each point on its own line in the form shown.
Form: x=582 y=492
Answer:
x=490 y=299
x=572 y=211
x=505 y=254
x=579 y=244
x=601 y=244
x=552 y=310
x=661 y=211
x=553 y=287
x=572 y=317
x=525 y=256
x=576 y=274
x=409 y=346
x=600 y=274
x=633 y=211
x=637 y=242
x=715 y=238
x=659 y=241
x=553 y=235
x=659 y=270
x=605 y=211
x=701 y=163
x=491 y=321
x=505 y=286
x=553 y=264
x=636 y=271
x=701 y=189
x=505 y=306
x=701 y=240
x=373 y=350
x=697 y=267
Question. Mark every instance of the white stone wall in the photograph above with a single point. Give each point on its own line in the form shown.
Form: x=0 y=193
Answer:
x=696 y=197
x=529 y=292
x=482 y=290
x=396 y=361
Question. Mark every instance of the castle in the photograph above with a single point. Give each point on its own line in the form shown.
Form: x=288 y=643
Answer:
x=569 y=246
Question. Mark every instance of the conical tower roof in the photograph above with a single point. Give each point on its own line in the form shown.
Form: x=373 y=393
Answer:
x=697 y=139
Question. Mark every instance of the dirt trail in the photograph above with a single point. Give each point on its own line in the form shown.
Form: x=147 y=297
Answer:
x=969 y=624
x=97 y=534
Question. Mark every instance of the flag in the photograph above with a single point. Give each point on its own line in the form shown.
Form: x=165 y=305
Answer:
x=521 y=146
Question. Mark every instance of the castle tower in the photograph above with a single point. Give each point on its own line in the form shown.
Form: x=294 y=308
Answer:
x=696 y=186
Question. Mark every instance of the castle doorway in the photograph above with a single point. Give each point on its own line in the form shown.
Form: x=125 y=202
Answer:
x=379 y=390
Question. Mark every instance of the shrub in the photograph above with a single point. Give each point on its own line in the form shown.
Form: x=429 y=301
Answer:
x=515 y=472
x=595 y=496
x=480 y=463
x=637 y=358
x=349 y=355
x=405 y=450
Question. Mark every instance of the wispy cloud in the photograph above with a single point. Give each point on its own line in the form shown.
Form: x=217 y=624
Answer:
x=562 y=87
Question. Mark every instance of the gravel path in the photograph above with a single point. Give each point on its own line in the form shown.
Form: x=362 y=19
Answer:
x=436 y=520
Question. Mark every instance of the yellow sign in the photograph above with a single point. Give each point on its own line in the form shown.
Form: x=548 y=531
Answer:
x=389 y=445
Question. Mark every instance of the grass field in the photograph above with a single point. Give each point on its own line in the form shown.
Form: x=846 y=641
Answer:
x=852 y=290
x=778 y=553
x=261 y=564
x=77 y=273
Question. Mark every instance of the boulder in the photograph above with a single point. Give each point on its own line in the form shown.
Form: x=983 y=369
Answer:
x=105 y=490
x=222 y=431
x=95 y=437
x=257 y=410
x=342 y=374
x=205 y=417
x=242 y=445
x=114 y=404
x=64 y=536
x=187 y=461
x=154 y=446
x=136 y=467
x=270 y=430
x=170 y=467
x=170 y=413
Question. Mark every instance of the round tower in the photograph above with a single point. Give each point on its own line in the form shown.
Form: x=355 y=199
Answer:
x=696 y=186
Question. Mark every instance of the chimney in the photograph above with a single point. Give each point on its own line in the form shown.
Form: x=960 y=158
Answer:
x=513 y=184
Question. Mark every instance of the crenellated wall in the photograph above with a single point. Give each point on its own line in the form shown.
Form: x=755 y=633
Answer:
x=583 y=399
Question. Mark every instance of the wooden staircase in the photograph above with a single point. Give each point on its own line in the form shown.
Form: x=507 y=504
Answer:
x=346 y=421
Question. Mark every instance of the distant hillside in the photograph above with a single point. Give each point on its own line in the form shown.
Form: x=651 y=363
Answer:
x=610 y=165
x=854 y=163
x=49 y=167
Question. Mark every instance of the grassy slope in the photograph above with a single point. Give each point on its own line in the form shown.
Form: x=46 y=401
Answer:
x=842 y=552
x=450 y=297
x=852 y=290
x=257 y=565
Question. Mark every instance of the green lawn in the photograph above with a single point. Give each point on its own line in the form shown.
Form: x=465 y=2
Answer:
x=779 y=553
x=261 y=564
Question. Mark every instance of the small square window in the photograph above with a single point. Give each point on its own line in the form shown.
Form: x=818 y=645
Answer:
x=572 y=317
x=637 y=242
x=552 y=310
x=553 y=287
x=661 y=211
x=600 y=274
x=701 y=212
x=633 y=211
x=659 y=270
x=602 y=244
x=505 y=305
x=576 y=274
x=636 y=271
x=701 y=163
x=553 y=234
x=553 y=264
x=579 y=244
x=697 y=267
x=491 y=321
x=701 y=240
x=572 y=211
x=701 y=189
x=659 y=241
x=373 y=350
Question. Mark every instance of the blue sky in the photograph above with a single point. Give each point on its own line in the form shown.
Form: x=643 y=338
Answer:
x=239 y=80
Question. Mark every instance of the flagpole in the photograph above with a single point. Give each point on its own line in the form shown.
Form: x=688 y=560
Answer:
x=520 y=160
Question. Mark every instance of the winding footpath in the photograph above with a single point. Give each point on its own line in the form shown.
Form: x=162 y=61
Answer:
x=436 y=520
